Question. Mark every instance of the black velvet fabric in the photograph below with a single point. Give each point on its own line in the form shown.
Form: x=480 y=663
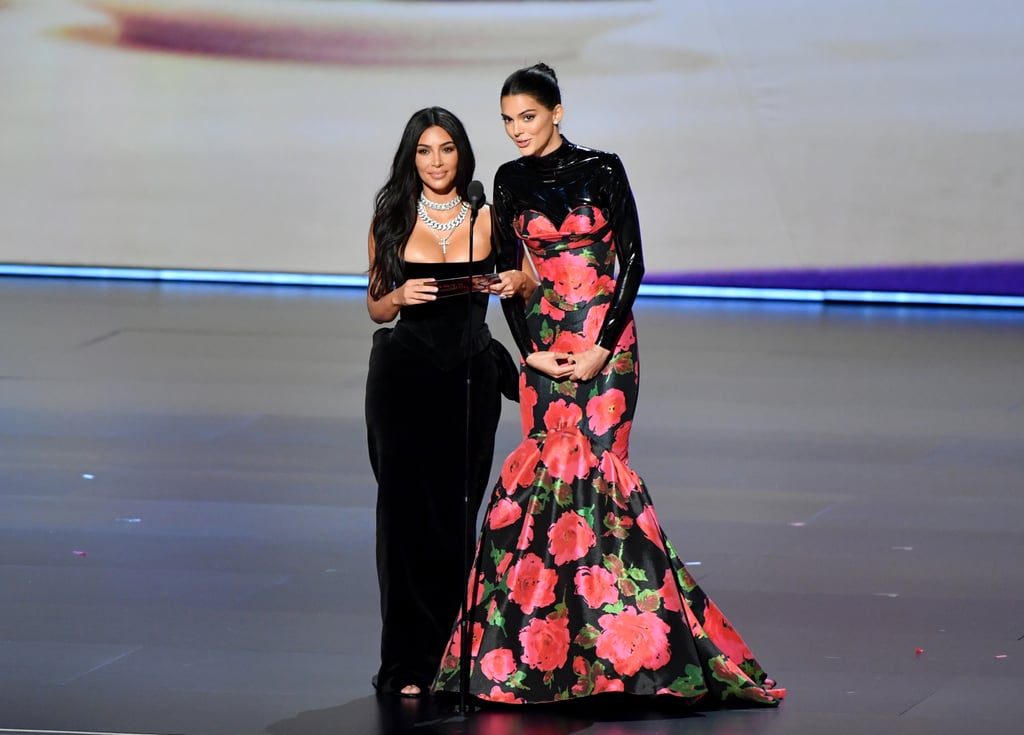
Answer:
x=416 y=431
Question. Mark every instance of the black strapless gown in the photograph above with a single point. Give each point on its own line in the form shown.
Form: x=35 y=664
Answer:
x=416 y=429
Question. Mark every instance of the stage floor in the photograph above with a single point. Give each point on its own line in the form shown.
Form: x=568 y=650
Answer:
x=186 y=535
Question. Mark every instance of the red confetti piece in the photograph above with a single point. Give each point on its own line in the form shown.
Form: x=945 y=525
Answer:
x=918 y=651
x=79 y=553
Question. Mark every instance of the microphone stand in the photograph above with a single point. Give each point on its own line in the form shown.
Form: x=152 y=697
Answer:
x=475 y=194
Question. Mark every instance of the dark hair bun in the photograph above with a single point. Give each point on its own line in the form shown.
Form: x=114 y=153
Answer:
x=538 y=81
x=543 y=68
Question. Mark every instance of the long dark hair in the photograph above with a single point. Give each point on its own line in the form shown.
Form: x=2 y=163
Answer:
x=538 y=81
x=394 y=212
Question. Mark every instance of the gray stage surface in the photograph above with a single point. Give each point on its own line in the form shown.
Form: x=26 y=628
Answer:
x=186 y=535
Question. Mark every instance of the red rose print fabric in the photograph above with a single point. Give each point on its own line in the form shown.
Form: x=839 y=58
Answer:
x=575 y=590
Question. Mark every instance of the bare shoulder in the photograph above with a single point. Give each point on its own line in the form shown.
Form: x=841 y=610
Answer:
x=483 y=218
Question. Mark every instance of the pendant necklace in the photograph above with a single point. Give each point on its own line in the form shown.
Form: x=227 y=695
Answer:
x=446 y=227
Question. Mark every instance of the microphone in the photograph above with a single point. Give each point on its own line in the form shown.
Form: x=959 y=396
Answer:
x=475 y=194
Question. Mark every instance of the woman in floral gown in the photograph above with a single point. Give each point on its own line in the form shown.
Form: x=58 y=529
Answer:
x=575 y=590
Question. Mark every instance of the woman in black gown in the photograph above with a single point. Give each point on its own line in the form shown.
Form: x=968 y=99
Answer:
x=416 y=391
x=576 y=590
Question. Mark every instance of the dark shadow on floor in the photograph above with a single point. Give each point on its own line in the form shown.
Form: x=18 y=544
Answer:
x=397 y=716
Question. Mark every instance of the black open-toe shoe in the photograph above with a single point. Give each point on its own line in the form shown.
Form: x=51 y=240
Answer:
x=397 y=692
x=411 y=695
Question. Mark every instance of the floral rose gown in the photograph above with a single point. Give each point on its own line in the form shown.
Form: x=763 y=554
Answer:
x=575 y=590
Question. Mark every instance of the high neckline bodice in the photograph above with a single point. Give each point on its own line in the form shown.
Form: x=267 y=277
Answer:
x=555 y=158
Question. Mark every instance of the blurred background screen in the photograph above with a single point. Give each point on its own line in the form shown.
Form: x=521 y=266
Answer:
x=848 y=143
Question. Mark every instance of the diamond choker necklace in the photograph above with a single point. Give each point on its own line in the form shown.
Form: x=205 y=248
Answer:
x=440 y=206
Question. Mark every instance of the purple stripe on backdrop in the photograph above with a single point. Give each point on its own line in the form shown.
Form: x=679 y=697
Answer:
x=1002 y=279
